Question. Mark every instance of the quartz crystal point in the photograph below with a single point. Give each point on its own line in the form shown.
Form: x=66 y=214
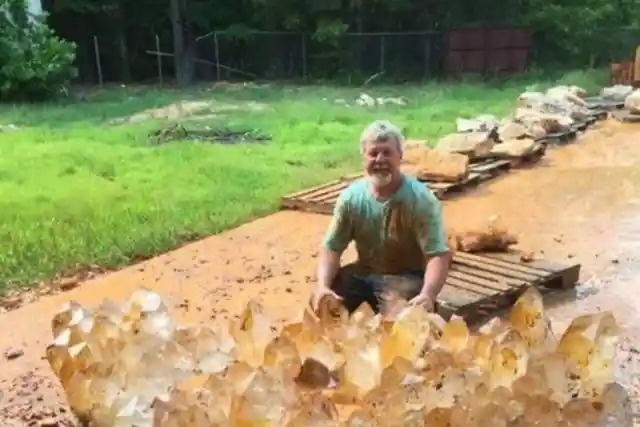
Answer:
x=131 y=365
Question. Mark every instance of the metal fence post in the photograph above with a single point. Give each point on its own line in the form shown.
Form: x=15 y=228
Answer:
x=96 y=49
x=427 y=54
x=382 y=47
x=159 y=58
x=304 y=56
x=217 y=54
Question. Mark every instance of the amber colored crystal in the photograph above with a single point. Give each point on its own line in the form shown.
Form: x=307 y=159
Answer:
x=131 y=365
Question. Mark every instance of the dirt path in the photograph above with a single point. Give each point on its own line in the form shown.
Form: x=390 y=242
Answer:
x=564 y=208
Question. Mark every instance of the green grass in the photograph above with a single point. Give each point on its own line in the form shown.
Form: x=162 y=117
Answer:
x=75 y=190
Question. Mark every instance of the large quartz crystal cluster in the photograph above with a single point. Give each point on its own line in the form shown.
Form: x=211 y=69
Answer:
x=131 y=365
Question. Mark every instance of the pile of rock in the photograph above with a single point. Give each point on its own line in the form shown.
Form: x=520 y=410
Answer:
x=616 y=93
x=538 y=115
x=623 y=96
x=632 y=103
x=368 y=101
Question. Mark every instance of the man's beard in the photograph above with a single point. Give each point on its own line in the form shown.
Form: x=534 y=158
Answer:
x=378 y=179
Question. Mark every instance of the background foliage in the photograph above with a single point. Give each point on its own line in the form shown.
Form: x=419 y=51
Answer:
x=34 y=63
x=573 y=33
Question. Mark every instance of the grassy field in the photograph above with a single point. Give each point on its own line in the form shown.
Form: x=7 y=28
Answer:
x=76 y=190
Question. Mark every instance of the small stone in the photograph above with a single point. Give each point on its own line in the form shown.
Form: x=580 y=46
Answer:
x=13 y=353
x=67 y=283
x=527 y=257
x=49 y=422
x=11 y=302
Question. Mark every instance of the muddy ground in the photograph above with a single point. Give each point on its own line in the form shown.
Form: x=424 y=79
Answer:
x=580 y=204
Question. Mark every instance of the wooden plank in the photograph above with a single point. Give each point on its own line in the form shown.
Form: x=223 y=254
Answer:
x=321 y=187
x=529 y=159
x=626 y=116
x=497 y=266
x=462 y=280
x=301 y=205
x=448 y=186
x=324 y=198
x=582 y=126
x=597 y=102
x=560 y=275
x=318 y=196
x=487 y=278
x=540 y=266
x=490 y=166
x=600 y=114
x=559 y=137
x=516 y=161
x=454 y=297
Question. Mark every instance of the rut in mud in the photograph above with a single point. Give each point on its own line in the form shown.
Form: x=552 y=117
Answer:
x=579 y=203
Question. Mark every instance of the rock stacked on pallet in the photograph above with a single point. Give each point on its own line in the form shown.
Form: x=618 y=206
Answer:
x=436 y=166
x=632 y=102
x=537 y=116
x=616 y=92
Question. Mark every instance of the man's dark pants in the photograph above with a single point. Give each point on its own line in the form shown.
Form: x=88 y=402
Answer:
x=356 y=286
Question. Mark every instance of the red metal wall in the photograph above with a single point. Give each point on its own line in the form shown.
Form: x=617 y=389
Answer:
x=487 y=50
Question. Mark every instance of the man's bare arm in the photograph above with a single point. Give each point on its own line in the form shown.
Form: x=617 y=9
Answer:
x=328 y=265
x=337 y=239
x=432 y=238
x=436 y=274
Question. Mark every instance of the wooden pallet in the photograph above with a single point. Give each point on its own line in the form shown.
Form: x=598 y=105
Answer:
x=321 y=199
x=581 y=127
x=560 y=137
x=480 y=285
x=626 y=116
x=598 y=114
x=531 y=158
x=597 y=102
x=527 y=159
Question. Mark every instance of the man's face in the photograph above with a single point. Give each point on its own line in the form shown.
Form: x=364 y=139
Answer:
x=381 y=161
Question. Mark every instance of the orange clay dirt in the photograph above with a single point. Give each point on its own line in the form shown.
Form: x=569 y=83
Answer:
x=579 y=204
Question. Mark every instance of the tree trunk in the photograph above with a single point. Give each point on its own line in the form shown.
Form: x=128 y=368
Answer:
x=178 y=39
x=183 y=48
x=123 y=47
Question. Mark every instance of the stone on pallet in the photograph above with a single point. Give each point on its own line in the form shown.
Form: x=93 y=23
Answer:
x=616 y=93
x=472 y=144
x=551 y=123
x=515 y=148
x=632 y=102
x=512 y=130
x=431 y=165
x=482 y=123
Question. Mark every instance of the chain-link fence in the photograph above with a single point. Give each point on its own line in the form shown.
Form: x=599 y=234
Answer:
x=298 y=55
x=352 y=57
x=277 y=55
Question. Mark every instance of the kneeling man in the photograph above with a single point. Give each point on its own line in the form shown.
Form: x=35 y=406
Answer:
x=396 y=223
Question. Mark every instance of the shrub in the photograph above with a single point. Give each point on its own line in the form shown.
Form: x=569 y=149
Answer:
x=34 y=64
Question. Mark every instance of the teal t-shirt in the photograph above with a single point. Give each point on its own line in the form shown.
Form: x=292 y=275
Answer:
x=392 y=236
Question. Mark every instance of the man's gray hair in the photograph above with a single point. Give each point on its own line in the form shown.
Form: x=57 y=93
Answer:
x=382 y=131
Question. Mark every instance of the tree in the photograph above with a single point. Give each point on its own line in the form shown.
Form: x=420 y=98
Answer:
x=35 y=64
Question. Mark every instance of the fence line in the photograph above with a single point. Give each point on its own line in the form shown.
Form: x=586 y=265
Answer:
x=223 y=55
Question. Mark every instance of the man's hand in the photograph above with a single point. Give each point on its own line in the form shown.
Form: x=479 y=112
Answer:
x=319 y=293
x=423 y=300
